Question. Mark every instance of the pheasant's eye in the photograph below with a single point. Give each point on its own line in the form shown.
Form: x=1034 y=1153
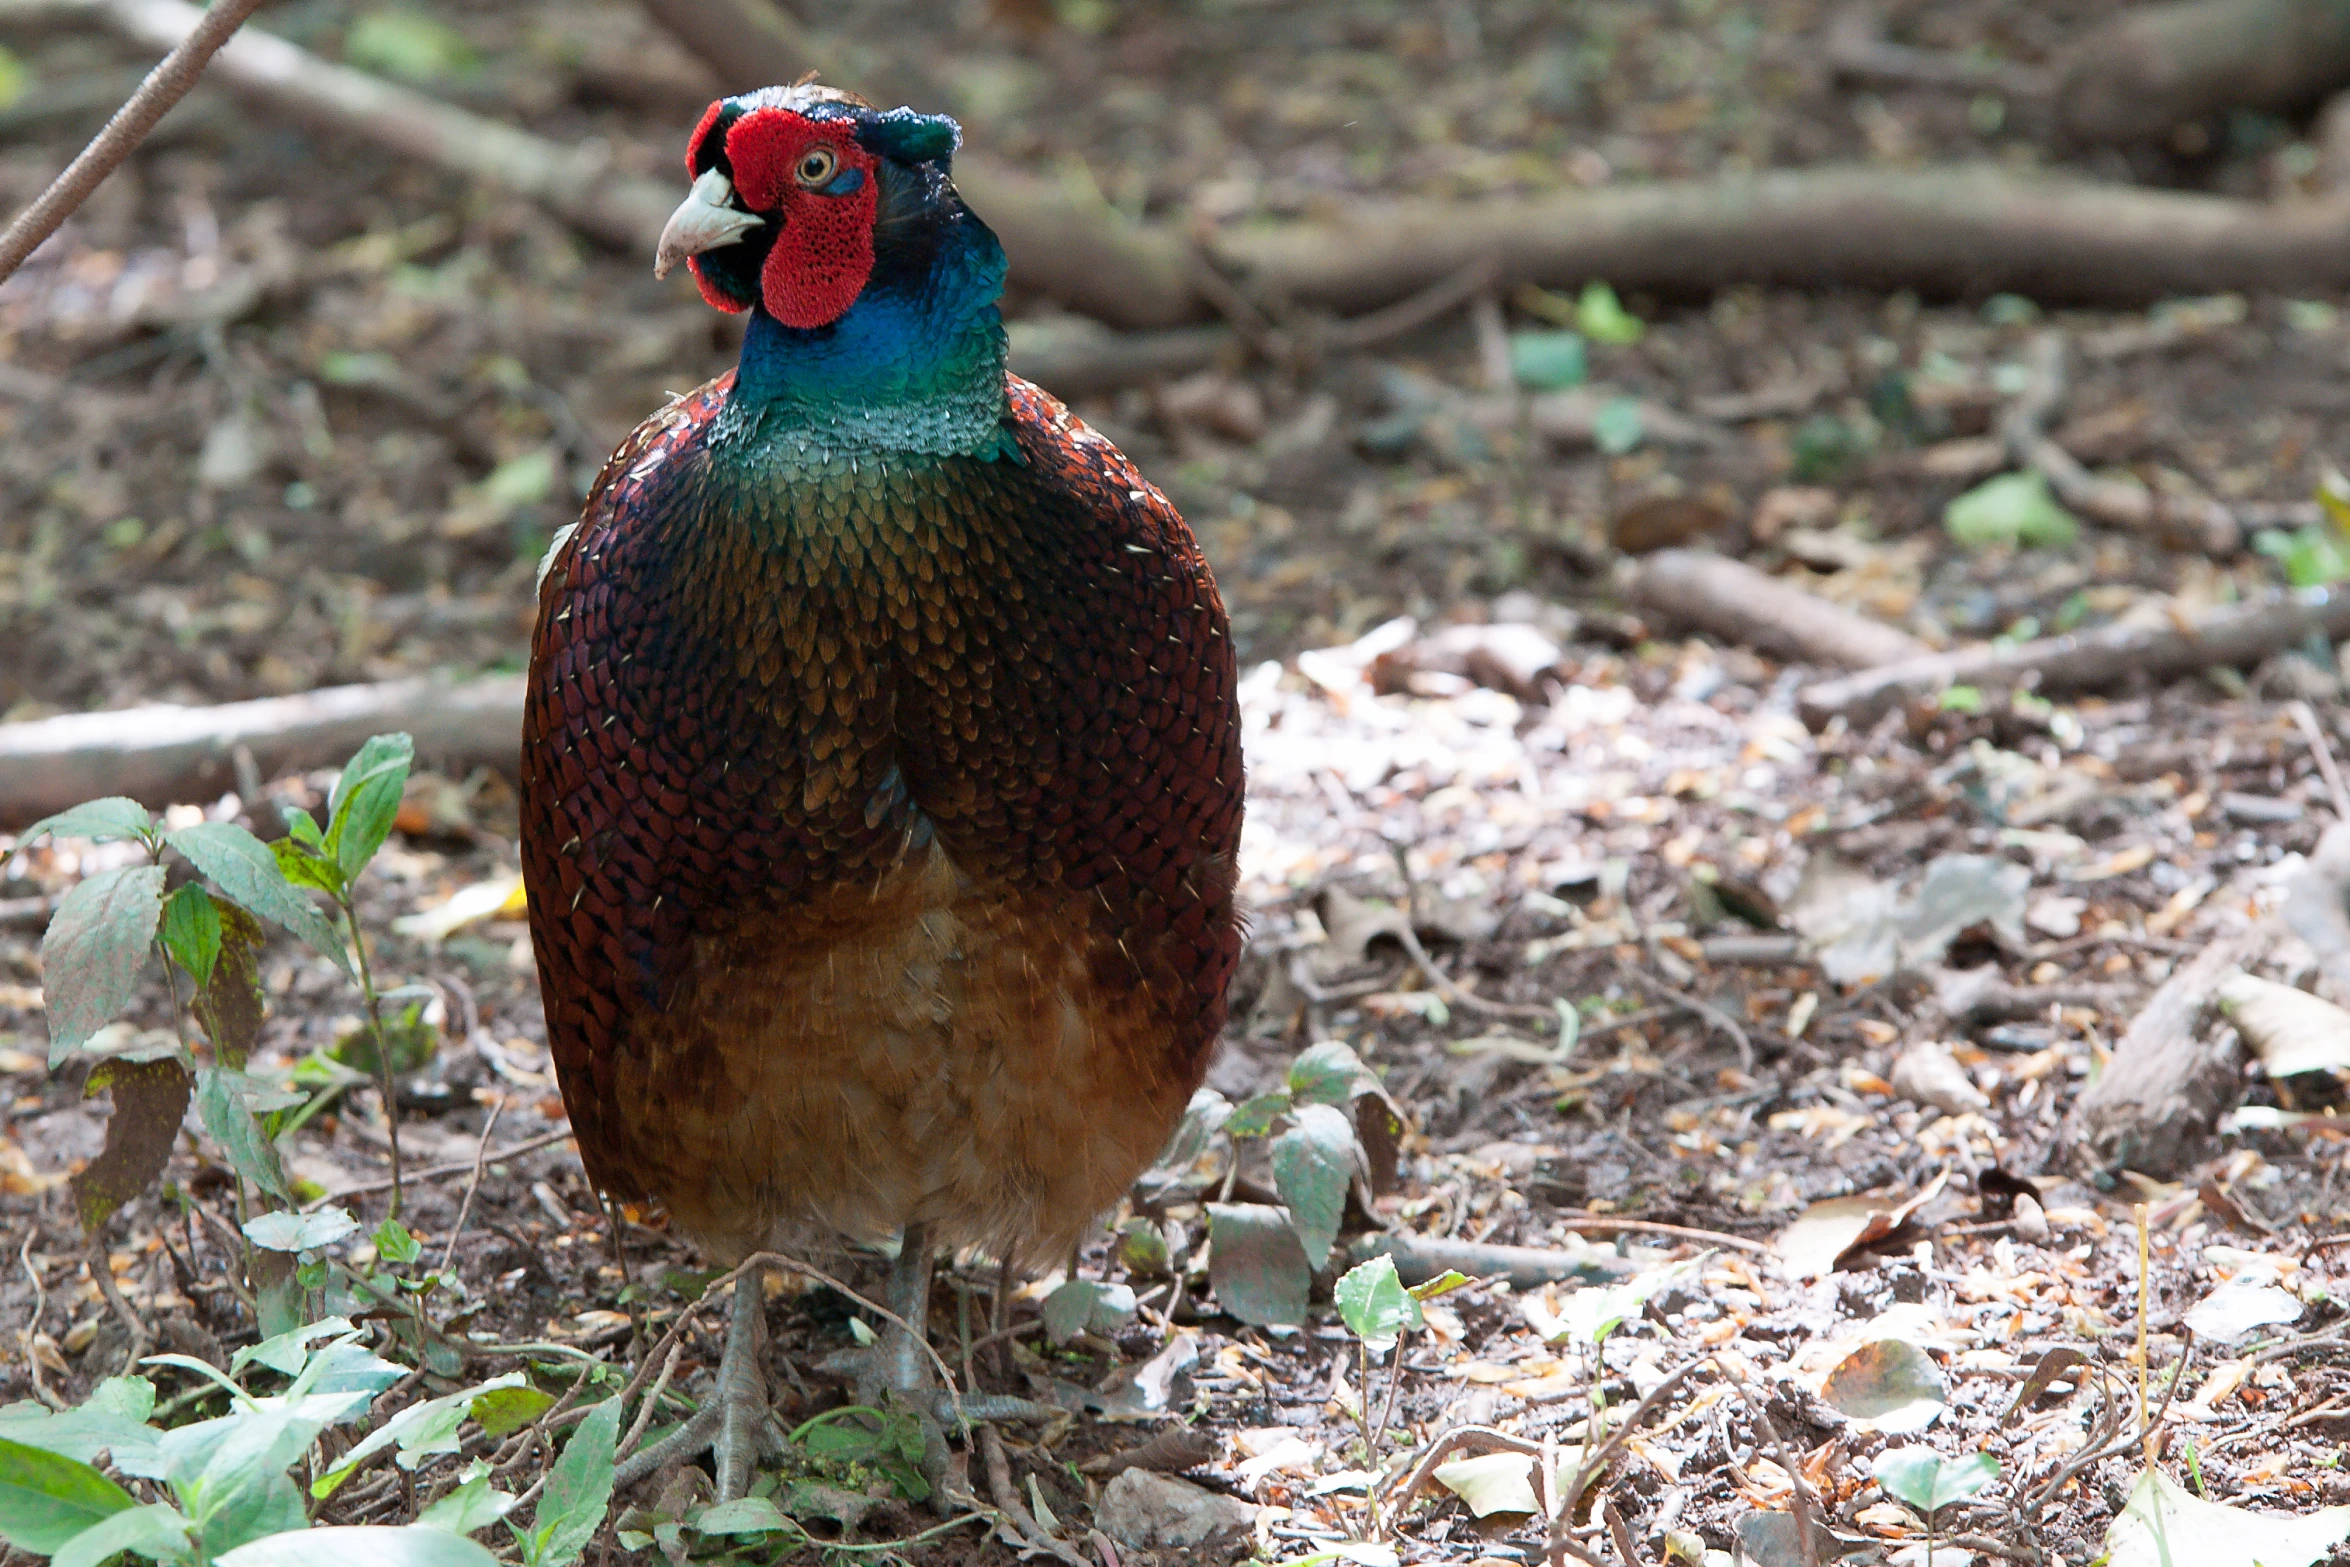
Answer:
x=816 y=166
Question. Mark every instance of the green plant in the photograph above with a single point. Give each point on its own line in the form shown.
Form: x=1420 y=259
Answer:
x=1929 y=1482
x=1328 y=1125
x=1381 y=1312
x=223 y=1492
x=209 y=932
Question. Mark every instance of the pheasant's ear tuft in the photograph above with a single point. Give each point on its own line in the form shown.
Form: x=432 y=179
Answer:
x=695 y=161
x=911 y=137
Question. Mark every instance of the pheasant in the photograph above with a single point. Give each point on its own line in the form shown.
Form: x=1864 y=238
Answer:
x=881 y=759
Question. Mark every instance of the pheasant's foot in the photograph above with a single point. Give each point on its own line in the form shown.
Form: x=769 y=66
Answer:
x=738 y=1423
x=897 y=1370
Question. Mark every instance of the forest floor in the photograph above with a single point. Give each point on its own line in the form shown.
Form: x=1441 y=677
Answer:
x=350 y=471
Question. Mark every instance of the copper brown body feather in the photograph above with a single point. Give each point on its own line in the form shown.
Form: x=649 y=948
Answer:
x=880 y=830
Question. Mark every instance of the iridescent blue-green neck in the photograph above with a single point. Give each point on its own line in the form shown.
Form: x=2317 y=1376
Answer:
x=915 y=366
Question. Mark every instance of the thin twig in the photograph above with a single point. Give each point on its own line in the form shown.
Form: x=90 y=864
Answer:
x=165 y=85
x=103 y=1274
x=2306 y=717
x=644 y=1414
x=1800 y=1495
x=1033 y=1538
x=435 y=1172
x=465 y=1208
x=26 y=1333
x=1714 y=1017
x=1414 y=311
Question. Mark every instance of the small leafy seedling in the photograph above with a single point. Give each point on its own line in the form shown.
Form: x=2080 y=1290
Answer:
x=1929 y=1482
x=1328 y=1126
x=209 y=933
x=1379 y=1311
x=231 y=1499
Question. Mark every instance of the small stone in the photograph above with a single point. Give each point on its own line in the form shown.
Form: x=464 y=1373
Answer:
x=1930 y=1075
x=1143 y=1509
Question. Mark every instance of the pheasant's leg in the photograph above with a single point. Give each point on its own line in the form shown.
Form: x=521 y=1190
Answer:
x=903 y=1363
x=742 y=1388
x=737 y=1422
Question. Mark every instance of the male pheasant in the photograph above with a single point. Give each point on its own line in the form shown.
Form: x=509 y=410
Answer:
x=881 y=759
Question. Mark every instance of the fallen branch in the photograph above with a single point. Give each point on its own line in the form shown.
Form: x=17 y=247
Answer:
x=1732 y=600
x=1077 y=357
x=1857 y=51
x=1966 y=231
x=2235 y=636
x=2157 y=67
x=164 y=755
x=164 y=86
x=2154 y=1107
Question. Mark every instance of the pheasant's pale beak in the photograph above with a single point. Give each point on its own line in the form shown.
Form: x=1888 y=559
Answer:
x=705 y=220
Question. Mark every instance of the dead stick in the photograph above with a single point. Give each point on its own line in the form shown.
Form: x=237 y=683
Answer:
x=1732 y=600
x=2306 y=718
x=2153 y=1107
x=2240 y=634
x=472 y=1184
x=434 y=1172
x=165 y=85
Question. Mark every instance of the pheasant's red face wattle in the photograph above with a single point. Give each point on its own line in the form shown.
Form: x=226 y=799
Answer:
x=819 y=185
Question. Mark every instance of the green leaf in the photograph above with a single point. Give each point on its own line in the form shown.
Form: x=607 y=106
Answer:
x=1329 y=1073
x=1256 y=1264
x=111 y=1420
x=579 y=1486
x=220 y=1104
x=1255 y=1117
x=285 y=1230
x=476 y=1504
x=247 y=871
x=744 y=1515
x=158 y=1530
x=289 y=1352
x=395 y=1245
x=1587 y=1316
x=424 y=1428
x=302 y=827
x=504 y=1411
x=1313 y=1162
x=2165 y=1526
x=1930 y=1482
x=1374 y=1304
x=1443 y=1284
x=2012 y=511
x=1142 y=1248
x=361 y=1545
x=191 y=931
x=1617 y=428
x=1203 y=1118
x=94 y=950
x=101 y=821
x=1547 y=361
x=1603 y=318
x=365 y=800
x=47 y=1498
x=1068 y=1309
x=229 y=1473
